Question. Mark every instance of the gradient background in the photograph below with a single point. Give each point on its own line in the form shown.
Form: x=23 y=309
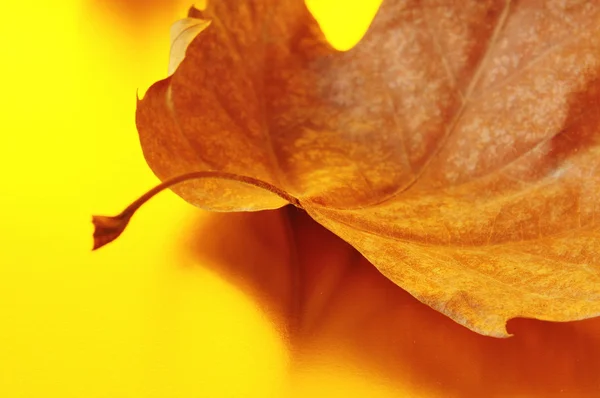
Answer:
x=138 y=318
x=125 y=321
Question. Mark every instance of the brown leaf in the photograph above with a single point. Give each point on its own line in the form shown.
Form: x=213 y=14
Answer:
x=456 y=146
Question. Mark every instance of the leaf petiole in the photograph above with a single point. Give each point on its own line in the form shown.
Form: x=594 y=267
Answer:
x=107 y=228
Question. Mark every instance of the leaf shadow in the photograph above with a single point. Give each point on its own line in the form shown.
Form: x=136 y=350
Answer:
x=335 y=307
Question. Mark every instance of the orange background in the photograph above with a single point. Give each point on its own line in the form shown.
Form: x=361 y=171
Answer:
x=137 y=319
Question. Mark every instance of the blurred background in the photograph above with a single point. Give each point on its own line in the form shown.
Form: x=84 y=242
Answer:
x=128 y=321
x=152 y=315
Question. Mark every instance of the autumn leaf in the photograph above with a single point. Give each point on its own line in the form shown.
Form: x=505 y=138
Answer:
x=456 y=146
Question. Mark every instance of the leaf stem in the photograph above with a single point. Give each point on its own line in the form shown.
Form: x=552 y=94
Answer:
x=109 y=228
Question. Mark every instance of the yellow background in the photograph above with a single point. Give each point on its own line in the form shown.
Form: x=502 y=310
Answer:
x=135 y=319
x=125 y=321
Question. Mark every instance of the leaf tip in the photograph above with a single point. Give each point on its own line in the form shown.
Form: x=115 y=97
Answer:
x=495 y=328
x=197 y=10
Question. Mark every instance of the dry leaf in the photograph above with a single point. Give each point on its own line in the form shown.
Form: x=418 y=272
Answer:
x=456 y=146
